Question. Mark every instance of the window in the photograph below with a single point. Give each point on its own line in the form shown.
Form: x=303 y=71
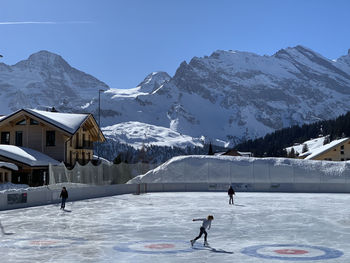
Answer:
x=33 y=122
x=22 y=122
x=5 y=137
x=50 y=138
x=341 y=151
x=342 y=159
x=19 y=138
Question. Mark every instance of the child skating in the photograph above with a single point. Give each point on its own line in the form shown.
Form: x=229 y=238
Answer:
x=205 y=225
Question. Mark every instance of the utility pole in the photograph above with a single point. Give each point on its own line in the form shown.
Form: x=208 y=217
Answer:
x=99 y=122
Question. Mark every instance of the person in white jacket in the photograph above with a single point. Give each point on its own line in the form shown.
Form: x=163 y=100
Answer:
x=206 y=224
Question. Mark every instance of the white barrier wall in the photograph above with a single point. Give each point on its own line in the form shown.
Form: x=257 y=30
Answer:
x=228 y=169
x=45 y=196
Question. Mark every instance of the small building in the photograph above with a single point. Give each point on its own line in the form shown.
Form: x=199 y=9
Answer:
x=233 y=152
x=33 y=166
x=62 y=137
x=6 y=172
x=337 y=150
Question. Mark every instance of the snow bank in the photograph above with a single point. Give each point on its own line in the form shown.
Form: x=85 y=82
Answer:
x=10 y=186
x=232 y=169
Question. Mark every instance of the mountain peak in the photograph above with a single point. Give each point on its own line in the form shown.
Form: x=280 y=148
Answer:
x=153 y=81
x=43 y=59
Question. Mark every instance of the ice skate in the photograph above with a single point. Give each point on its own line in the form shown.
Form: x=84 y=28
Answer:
x=192 y=242
x=206 y=244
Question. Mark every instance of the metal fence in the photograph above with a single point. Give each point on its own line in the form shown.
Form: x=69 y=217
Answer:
x=103 y=174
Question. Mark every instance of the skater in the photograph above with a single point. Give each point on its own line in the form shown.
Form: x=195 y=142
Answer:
x=64 y=196
x=2 y=229
x=231 y=192
x=206 y=224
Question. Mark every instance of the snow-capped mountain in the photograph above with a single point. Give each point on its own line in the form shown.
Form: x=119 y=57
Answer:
x=234 y=95
x=45 y=80
x=227 y=97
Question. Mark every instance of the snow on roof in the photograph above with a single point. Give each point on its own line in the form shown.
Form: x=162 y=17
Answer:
x=25 y=155
x=312 y=144
x=9 y=166
x=323 y=148
x=69 y=122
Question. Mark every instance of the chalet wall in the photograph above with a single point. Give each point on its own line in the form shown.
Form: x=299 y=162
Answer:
x=339 y=153
x=80 y=147
x=34 y=137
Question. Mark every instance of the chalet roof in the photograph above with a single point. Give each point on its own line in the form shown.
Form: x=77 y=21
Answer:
x=7 y=165
x=324 y=148
x=69 y=122
x=25 y=155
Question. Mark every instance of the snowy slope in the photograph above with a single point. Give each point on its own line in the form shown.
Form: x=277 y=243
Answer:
x=312 y=144
x=138 y=134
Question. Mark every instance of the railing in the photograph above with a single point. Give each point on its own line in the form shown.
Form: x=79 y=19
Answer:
x=88 y=145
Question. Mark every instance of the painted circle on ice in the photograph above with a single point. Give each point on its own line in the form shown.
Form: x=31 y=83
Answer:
x=291 y=252
x=43 y=242
x=160 y=246
x=155 y=247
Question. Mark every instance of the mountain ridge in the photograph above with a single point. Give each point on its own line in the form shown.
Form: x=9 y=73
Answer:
x=226 y=97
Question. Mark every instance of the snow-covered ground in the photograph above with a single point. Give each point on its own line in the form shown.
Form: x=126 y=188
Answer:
x=138 y=134
x=157 y=227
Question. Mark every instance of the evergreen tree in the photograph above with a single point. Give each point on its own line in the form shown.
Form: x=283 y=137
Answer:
x=210 y=152
x=305 y=148
x=291 y=153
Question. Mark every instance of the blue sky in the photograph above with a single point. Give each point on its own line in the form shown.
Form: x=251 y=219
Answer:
x=122 y=41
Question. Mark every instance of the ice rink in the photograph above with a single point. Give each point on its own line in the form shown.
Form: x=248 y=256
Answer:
x=157 y=227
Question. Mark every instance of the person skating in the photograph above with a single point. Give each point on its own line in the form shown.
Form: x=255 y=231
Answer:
x=231 y=193
x=64 y=196
x=206 y=224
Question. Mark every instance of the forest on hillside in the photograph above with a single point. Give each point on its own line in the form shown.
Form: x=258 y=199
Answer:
x=273 y=144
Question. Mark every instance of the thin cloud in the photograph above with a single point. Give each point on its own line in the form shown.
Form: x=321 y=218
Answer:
x=42 y=22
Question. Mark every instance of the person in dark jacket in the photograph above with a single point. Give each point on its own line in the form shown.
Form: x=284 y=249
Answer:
x=64 y=196
x=230 y=192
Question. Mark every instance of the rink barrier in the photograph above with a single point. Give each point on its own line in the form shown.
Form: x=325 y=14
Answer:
x=22 y=198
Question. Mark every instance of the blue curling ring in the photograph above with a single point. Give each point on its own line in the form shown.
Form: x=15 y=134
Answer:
x=329 y=252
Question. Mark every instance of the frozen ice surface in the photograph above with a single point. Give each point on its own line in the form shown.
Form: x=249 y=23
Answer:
x=157 y=227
